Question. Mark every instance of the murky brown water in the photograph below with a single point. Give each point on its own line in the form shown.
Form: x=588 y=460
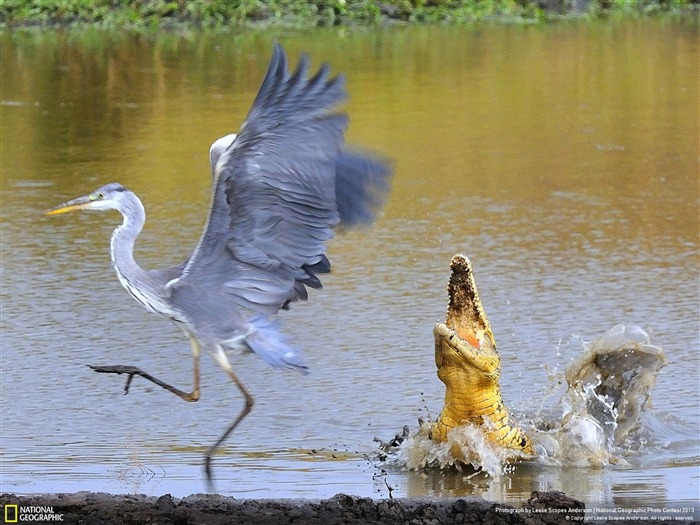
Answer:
x=562 y=158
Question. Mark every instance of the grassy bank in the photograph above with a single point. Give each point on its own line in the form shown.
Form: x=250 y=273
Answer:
x=308 y=13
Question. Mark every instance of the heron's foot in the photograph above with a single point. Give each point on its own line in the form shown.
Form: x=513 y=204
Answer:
x=120 y=369
x=132 y=371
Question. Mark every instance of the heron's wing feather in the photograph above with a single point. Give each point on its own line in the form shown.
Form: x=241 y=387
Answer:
x=273 y=202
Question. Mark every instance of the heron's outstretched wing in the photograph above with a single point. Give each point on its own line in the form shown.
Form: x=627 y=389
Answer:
x=361 y=181
x=273 y=202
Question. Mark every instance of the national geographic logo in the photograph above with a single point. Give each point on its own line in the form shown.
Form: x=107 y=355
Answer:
x=27 y=514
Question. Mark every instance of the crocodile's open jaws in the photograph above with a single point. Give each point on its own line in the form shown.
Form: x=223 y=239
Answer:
x=468 y=363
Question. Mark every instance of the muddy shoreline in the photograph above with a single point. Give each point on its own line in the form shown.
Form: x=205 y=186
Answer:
x=90 y=508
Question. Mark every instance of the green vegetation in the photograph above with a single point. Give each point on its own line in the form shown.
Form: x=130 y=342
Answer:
x=225 y=13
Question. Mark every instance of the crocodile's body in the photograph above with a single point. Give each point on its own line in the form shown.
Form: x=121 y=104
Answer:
x=469 y=365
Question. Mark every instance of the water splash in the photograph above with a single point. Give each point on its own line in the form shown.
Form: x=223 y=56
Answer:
x=467 y=447
x=614 y=376
x=594 y=424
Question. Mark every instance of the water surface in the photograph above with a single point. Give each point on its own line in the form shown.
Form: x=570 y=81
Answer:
x=562 y=159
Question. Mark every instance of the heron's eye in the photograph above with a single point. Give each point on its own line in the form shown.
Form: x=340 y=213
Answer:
x=100 y=196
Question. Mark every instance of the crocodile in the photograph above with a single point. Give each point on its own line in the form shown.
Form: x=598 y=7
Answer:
x=469 y=365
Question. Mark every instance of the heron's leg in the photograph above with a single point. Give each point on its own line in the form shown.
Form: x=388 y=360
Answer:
x=222 y=360
x=134 y=371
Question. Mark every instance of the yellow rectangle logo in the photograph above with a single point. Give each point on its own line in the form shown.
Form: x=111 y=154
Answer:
x=11 y=513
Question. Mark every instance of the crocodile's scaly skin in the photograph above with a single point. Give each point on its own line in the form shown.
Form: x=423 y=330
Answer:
x=469 y=365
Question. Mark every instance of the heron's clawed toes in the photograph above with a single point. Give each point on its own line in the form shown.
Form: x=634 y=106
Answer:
x=120 y=369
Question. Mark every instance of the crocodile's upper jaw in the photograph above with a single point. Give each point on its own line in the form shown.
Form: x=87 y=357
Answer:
x=466 y=335
x=465 y=313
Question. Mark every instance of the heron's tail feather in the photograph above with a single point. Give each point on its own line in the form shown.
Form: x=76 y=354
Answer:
x=265 y=339
x=361 y=186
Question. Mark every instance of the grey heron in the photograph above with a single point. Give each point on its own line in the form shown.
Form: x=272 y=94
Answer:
x=279 y=188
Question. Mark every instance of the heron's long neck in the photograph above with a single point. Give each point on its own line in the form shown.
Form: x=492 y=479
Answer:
x=122 y=246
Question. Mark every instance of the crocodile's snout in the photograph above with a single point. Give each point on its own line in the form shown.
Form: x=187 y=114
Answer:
x=460 y=263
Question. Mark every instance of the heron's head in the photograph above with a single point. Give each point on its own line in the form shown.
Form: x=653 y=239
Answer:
x=217 y=148
x=108 y=197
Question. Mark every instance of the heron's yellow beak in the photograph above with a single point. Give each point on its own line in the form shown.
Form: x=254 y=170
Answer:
x=81 y=203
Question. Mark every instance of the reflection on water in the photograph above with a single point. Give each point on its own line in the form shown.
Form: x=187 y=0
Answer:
x=561 y=158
